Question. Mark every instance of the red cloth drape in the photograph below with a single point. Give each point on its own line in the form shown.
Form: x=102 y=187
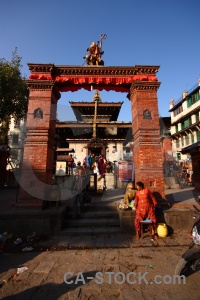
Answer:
x=74 y=83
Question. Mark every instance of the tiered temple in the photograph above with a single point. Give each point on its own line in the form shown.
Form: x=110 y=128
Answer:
x=96 y=129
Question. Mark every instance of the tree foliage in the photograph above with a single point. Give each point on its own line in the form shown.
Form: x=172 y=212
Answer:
x=13 y=89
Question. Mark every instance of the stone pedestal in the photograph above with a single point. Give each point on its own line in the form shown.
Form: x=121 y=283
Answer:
x=127 y=221
x=37 y=167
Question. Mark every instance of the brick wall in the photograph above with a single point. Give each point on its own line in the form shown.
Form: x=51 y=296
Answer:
x=148 y=158
x=37 y=167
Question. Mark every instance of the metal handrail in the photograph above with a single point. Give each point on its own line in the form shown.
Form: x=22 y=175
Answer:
x=189 y=91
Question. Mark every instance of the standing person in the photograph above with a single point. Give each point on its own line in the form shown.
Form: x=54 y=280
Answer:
x=89 y=161
x=95 y=167
x=108 y=166
x=70 y=164
x=77 y=187
x=102 y=165
x=93 y=158
x=77 y=168
x=84 y=167
x=145 y=204
x=182 y=179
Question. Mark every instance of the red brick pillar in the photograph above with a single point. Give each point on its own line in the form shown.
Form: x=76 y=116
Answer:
x=38 y=159
x=147 y=155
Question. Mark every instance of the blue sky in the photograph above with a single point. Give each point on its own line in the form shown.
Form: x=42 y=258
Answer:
x=149 y=32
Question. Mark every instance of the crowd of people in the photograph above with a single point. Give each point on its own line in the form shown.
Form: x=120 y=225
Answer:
x=91 y=165
x=94 y=165
x=185 y=178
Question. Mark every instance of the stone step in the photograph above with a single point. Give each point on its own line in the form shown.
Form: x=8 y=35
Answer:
x=93 y=241
x=81 y=231
x=95 y=212
x=91 y=222
x=96 y=220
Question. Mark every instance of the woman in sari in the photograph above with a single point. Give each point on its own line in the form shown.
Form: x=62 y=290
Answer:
x=145 y=204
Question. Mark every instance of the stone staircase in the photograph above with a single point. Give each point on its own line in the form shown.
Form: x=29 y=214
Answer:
x=96 y=220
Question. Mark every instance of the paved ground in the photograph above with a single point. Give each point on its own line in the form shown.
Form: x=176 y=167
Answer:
x=126 y=274
x=179 y=198
x=114 y=256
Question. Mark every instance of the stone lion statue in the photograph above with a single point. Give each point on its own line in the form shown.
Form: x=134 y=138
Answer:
x=130 y=193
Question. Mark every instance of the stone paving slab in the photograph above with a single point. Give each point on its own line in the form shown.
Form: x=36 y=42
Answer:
x=43 y=267
x=51 y=285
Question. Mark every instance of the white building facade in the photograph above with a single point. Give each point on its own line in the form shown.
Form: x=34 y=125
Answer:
x=16 y=137
x=185 y=125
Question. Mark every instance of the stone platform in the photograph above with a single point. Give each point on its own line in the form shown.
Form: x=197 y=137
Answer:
x=177 y=216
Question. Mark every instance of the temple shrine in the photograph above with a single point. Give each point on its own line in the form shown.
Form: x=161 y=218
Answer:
x=46 y=81
x=96 y=130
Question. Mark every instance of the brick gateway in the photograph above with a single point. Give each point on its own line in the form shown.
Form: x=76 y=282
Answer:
x=45 y=83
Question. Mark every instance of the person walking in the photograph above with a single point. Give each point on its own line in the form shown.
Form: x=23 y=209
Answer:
x=78 y=186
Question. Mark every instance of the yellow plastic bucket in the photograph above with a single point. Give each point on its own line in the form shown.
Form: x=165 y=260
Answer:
x=162 y=230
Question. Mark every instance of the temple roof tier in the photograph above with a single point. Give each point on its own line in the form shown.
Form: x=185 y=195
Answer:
x=81 y=109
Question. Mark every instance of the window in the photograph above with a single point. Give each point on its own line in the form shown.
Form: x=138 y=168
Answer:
x=177 y=144
x=178 y=111
x=187 y=122
x=15 y=139
x=192 y=138
x=198 y=136
x=178 y=156
x=187 y=140
x=192 y=99
x=182 y=125
x=189 y=101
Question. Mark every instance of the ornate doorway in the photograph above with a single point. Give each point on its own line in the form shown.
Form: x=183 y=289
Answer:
x=96 y=146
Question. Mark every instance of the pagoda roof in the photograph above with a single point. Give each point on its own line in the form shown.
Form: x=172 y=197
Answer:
x=81 y=124
x=81 y=131
x=109 y=109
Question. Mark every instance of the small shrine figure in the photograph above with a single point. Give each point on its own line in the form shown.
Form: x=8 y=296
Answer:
x=147 y=114
x=95 y=53
x=38 y=113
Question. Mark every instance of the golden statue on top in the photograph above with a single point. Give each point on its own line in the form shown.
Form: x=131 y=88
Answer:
x=95 y=53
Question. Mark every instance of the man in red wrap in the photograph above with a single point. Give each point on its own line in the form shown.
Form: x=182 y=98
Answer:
x=145 y=204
